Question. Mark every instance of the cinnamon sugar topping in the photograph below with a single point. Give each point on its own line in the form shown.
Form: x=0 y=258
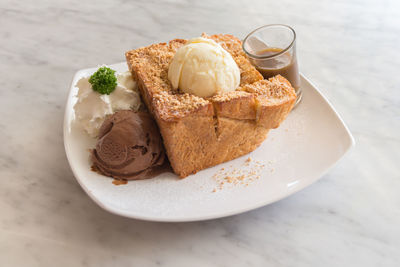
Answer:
x=177 y=105
x=229 y=96
x=275 y=87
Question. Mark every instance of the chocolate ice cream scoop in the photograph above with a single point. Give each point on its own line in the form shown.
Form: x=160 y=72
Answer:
x=129 y=146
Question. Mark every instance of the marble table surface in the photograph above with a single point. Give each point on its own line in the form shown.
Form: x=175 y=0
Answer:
x=351 y=217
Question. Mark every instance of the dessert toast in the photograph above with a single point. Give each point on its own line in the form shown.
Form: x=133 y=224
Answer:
x=202 y=132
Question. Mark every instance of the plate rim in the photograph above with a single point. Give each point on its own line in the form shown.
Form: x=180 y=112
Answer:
x=256 y=205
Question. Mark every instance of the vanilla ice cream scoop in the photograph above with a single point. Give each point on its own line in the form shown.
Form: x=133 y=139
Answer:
x=203 y=68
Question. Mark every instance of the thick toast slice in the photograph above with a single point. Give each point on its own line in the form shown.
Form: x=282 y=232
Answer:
x=203 y=132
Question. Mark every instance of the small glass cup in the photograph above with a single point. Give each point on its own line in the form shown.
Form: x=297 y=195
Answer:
x=272 y=50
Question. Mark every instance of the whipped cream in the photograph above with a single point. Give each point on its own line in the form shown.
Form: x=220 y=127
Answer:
x=92 y=107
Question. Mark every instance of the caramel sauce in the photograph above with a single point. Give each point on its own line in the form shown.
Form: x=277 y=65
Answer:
x=119 y=181
x=283 y=64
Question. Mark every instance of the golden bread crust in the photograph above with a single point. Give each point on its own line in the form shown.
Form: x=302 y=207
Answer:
x=203 y=132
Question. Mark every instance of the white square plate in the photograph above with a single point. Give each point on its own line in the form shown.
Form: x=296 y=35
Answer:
x=308 y=143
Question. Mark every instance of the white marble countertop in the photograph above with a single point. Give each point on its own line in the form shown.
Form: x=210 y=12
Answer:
x=351 y=217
